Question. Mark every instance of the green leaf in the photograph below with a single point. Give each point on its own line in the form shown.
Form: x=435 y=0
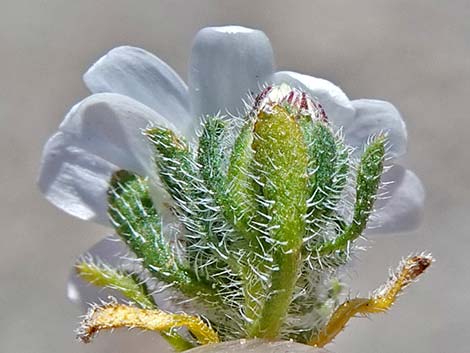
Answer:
x=136 y=221
x=328 y=168
x=177 y=169
x=211 y=155
x=207 y=236
x=179 y=172
x=282 y=162
x=241 y=205
x=104 y=276
x=367 y=184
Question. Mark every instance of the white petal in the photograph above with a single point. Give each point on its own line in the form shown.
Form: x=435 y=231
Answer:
x=99 y=135
x=74 y=180
x=110 y=126
x=337 y=105
x=142 y=76
x=402 y=211
x=227 y=65
x=374 y=117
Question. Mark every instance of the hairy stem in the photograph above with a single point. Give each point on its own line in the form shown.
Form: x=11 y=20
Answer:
x=113 y=315
x=381 y=300
x=128 y=285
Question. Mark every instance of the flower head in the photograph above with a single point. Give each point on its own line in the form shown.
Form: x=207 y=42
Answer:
x=251 y=217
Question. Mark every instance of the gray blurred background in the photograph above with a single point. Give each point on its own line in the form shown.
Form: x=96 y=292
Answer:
x=413 y=53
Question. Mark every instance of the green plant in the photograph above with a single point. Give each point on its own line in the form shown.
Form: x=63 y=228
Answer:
x=262 y=214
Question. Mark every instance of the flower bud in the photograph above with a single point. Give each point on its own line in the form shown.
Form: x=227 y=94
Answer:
x=296 y=102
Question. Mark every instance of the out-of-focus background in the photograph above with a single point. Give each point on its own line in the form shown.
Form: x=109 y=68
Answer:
x=412 y=53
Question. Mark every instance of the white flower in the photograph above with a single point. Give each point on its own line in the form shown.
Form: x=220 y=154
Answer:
x=132 y=88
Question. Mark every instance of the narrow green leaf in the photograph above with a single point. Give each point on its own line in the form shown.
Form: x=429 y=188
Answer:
x=104 y=276
x=136 y=221
x=207 y=236
x=177 y=168
x=180 y=174
x=367 y=185
x=241 y=205
x=211 y=155
x=282 y=161
x=328 y=168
